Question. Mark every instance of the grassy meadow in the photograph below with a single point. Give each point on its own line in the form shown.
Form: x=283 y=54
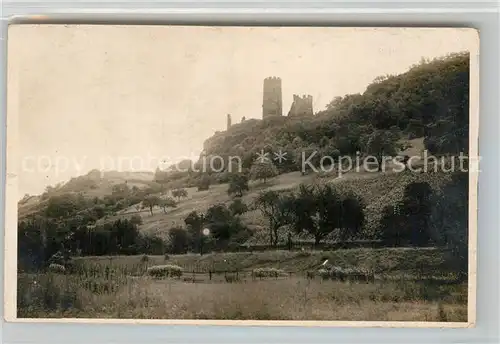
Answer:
x=118 y=287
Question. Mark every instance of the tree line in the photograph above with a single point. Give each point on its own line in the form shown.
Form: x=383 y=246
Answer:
x=423 y=217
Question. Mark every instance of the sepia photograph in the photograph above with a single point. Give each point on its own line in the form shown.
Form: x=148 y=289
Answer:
x=224 y=173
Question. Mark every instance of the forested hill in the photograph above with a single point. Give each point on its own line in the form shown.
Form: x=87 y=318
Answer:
x=103 y=214
x=430 y=100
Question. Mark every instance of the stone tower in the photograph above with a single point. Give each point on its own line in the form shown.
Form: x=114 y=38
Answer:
x=272 y=102
x=301 y=106
x=228 y=124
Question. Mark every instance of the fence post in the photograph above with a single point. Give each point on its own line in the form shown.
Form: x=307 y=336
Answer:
x=210 y=274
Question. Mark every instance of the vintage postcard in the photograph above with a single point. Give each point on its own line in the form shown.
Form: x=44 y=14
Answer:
x=242 y=175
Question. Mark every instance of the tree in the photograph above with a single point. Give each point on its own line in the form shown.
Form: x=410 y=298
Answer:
x=393 y=227
x=32 y=242
x=317 y=210
x=150 y=202
x=222 y=224
x=277 y=208
x=61 y=206
x=238 y=207
x=136 y=220
x=195 y=223
x=263 y=171
x=417 y=208
x=381 y=143
x=415 y=128
x=160 y=176
x=167 y=203
x=238 y=183
x=204 y=183
x=124 y=234
x=179 y=193
x=120 y=190
x=178 y=240
x=449 y=219
x=352 y=217
x=408 y=221
x=335 y=103
x=149 y=243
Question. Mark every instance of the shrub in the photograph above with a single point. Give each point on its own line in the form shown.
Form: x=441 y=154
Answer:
x=268 y=272
x=178 y=240
x=159 y=271
x=238 y=207
x=263 y=171
x=204 y=183
x=57 y=268
x=144 y=258
x=324 y=274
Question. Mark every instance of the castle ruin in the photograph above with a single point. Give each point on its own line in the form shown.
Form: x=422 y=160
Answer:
x=301 y=106
x=272 y=102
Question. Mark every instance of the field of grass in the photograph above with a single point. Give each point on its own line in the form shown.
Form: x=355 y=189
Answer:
x=294 y=298
x=410 y=285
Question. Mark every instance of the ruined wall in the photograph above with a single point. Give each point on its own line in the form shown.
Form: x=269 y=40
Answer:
x=272 y=102
x=301 y=106
x=228 y=122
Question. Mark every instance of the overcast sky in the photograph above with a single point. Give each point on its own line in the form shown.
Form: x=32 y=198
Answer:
x=89 y=93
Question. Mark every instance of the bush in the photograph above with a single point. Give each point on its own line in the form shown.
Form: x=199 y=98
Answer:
x=204 y=183
x=324 y=274
x=238 y=207
x=57 y=268
x=268 y=272
x=178 y=240
x=159 y=271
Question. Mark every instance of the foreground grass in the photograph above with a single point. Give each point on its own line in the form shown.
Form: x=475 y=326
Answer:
x=411 y=285
x=50 y=295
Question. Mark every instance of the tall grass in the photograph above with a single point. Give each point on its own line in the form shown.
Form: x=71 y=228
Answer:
x=116 y=295
x=119 y=287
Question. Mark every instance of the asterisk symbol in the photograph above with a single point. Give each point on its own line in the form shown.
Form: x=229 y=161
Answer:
x=262 y=156
x=280 y=156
